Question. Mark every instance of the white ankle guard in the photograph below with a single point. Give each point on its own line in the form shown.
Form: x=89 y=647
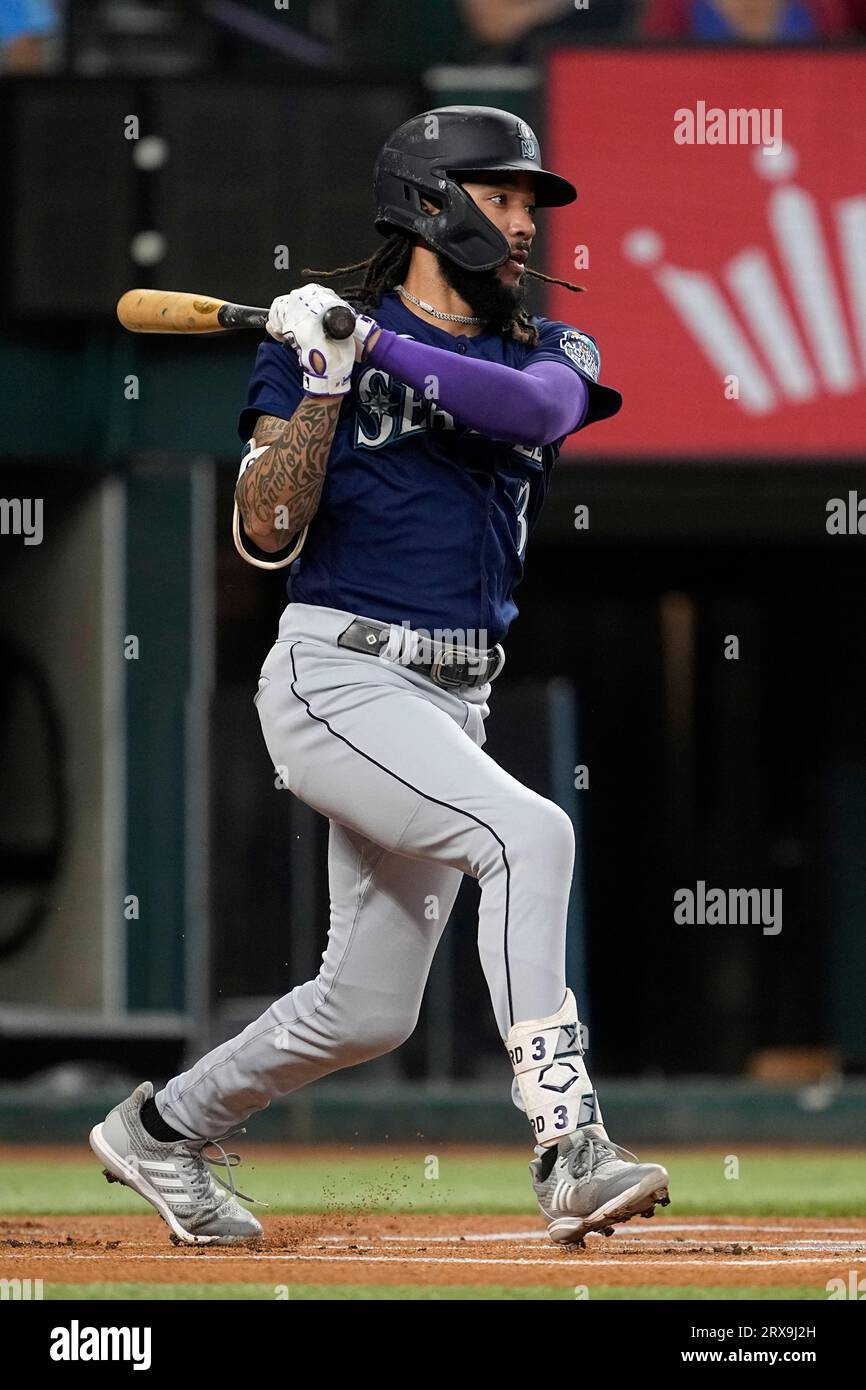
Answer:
x=554 y=1084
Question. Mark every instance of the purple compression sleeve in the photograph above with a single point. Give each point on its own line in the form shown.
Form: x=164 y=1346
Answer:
x=541 y=403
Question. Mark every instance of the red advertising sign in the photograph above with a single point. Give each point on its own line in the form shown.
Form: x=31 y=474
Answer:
x=721 y=234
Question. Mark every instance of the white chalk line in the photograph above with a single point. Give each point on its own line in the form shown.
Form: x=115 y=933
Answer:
x=821 y=1247
x=657 y=1232
x=574 y=1263
x=855 y=1253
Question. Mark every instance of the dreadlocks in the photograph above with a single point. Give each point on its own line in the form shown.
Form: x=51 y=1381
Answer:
x=388 y=267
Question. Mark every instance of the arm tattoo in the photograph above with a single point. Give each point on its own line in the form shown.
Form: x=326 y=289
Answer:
x=292 y=471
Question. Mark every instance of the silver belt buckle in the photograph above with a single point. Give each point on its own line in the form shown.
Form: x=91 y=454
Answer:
x=454 y=656
x=447 y=658
x=500 y=662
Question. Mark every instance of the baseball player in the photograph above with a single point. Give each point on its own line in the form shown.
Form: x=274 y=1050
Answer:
x=399 y=474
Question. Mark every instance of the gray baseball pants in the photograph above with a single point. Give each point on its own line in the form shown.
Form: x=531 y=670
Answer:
x=396 y=764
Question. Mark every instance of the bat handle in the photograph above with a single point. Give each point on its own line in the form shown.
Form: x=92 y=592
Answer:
x=241 y=316
x=338 y=321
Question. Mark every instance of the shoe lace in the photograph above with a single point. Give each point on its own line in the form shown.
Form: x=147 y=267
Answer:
x=590 y=1152
x=200 y=1165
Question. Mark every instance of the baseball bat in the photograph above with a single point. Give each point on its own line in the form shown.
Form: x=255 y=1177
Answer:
x=175 y=311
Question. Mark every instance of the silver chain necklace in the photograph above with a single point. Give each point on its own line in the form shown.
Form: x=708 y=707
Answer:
x=437 y=313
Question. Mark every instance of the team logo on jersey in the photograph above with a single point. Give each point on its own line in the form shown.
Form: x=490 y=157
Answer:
x=527 y=141
x=583 y=353
x=388 y=412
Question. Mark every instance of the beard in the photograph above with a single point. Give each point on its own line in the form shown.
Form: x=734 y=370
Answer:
x=489 y=299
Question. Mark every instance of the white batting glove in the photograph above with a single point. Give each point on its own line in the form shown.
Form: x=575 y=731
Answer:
x=296 y=319
x=364 y=326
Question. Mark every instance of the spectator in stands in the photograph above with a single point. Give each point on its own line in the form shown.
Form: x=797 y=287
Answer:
x=26 y=29
x=747 y=21
x=517 y=30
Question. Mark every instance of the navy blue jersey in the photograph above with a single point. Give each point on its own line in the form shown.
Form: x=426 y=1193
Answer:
x=422 y=520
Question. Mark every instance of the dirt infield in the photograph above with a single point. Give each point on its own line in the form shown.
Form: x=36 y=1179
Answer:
x=346 y=1248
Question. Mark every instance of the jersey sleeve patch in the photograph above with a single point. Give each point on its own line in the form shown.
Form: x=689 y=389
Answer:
x=560 y=342
x=582 y=351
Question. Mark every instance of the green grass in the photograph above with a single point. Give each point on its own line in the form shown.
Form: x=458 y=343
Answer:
x=792 y=1185
x=795 y=1184
x=416 y=1293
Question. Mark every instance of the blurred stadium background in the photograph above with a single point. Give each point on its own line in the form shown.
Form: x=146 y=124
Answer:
x=156 y=889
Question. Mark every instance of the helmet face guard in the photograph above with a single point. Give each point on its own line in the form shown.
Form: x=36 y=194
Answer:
x=420 y=160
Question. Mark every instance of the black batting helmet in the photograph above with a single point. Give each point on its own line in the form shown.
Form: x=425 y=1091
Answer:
x=421 y=159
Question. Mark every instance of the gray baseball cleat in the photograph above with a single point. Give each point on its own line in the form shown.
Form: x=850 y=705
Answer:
x=589 y=1187
x=174 y=1177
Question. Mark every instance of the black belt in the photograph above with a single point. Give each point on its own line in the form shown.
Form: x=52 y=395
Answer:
x=450 y=665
